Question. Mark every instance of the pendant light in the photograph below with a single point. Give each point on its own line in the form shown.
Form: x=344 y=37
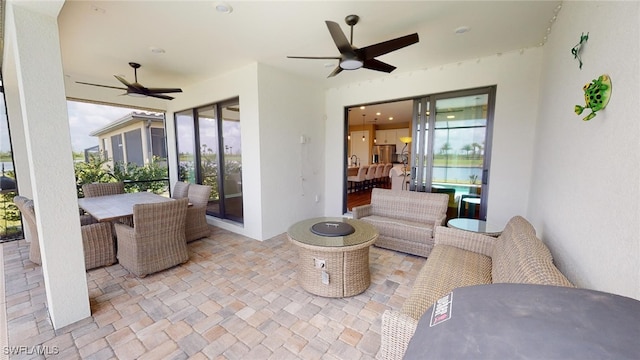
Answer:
x=363 y=115
x=375 y=139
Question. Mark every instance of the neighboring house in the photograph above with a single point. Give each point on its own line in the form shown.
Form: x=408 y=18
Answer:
x=134 y=138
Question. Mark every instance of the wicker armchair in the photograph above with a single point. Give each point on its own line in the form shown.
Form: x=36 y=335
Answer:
x=157 y=240
x=102 y=189
x=197 y=226
x=97 y=238
x=180 y=190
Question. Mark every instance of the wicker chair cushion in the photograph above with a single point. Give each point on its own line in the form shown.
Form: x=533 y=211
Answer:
x=413 y=206
x=401 y=229
x=447 y=267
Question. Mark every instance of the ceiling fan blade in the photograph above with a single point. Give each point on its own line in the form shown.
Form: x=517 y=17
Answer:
x=122 y=80
x=335 y=71
x=160 y=96
x=105 y=86
x=162 y=90
x=315 y=57
x=339 y=38
x=371 y=51
x=378 y=65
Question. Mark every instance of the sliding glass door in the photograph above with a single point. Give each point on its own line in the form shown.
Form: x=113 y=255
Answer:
x=210 y=153
x=451 y=147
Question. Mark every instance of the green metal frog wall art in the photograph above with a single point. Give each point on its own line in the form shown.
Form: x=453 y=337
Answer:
x=596 y=96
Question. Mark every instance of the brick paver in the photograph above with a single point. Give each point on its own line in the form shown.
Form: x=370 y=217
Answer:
x=235 y=298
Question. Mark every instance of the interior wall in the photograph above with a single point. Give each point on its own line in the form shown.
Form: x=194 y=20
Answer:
x=291 y=149
x=516 y=75
x=585 y=188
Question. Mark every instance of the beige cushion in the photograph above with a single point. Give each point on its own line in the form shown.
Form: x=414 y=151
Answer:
x=525 y=259
x=413 y=206
x=447 y=267
x=401 y=229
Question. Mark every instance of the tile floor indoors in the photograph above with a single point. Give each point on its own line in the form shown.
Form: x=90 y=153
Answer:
x=235 y=298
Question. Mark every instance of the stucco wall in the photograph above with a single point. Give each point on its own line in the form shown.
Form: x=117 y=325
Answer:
x=586 y=179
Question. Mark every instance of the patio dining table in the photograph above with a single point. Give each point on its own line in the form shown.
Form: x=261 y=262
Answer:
x=112 y=207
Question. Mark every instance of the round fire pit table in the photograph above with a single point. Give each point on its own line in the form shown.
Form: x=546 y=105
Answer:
x=333 y=254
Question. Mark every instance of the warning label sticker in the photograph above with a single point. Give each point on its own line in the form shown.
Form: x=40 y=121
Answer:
x=442 y=310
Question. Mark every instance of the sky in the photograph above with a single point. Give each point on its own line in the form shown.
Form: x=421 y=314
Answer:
x=85 y=118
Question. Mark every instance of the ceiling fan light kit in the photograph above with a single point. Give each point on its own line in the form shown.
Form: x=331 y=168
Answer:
x=136 y=89
x=353 y=58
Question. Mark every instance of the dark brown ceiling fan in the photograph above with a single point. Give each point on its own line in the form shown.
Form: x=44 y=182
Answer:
x=136 y=89
x=352 y=58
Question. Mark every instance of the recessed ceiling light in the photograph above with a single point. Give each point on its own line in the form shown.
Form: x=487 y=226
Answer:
x=156 y=50
x=223 y=7
x=390 y=117
x=462 y=29
x=361 y=107
x=451 y=116
x=378 y=113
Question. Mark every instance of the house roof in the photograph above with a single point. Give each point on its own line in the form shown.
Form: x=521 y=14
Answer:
x=127 y=120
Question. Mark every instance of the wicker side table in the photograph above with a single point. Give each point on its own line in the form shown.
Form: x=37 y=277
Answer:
x=333 y=266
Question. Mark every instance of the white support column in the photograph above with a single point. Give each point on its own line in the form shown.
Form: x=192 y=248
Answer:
x=35 y=73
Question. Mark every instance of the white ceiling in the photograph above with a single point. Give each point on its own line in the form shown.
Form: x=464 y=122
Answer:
x=99 y=38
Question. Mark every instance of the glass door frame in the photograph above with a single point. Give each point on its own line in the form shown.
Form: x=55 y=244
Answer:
x=421 y=121
x=199 y=177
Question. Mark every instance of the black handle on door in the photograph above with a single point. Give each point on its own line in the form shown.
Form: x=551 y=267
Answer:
x=485 y=176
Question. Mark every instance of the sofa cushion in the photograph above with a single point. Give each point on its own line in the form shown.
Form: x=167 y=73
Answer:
x=517 y=225
x=525 y=259
x=447 y=267
x=419 y=207
x=401 y=229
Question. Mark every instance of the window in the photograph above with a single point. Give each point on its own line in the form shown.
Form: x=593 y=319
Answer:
x=210 y=153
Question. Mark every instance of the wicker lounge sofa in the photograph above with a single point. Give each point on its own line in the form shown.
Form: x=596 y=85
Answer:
x=461 y=258
x=404 y=219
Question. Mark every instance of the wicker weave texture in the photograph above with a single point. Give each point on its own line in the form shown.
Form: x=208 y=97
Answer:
x=180 y=190
x=102 y=189
x=462 y=258
x=420 y=207
x=397 y=331
x=447 y=268
x=465 y=240
x=99 y=246
x=197 y=226
x=25 y=205
x=157 y=241
x=347 y=268
x=525 y=260
x=404 y=219
x=97 y=238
